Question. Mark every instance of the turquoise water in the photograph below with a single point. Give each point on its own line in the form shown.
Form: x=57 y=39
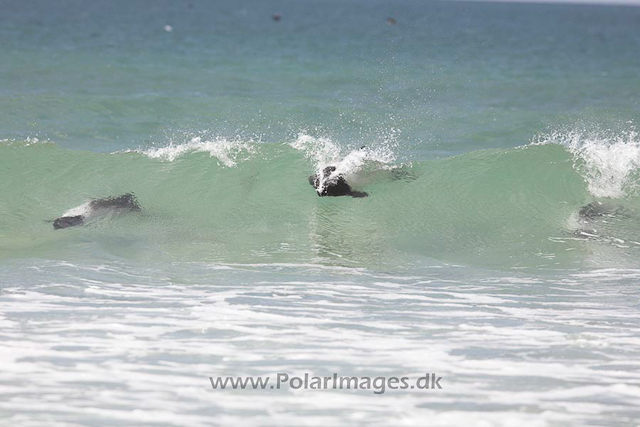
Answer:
x=486 y=128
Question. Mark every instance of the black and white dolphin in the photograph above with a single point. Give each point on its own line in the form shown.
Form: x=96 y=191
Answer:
x=333 y=184
x=79 y=215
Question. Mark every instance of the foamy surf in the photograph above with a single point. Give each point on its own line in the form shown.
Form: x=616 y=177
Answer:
x=513 y=349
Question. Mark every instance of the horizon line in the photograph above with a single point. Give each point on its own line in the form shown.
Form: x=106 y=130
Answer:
x=574 y=2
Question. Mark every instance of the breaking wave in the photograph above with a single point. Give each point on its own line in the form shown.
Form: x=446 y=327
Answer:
x=238 y=201
x=608 y=162
x=225 y=151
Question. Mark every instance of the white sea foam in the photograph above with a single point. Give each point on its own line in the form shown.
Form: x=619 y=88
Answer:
x=112 y=343
x=228 y=152
x=608 y=162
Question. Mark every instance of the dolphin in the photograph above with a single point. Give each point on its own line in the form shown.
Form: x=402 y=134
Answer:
x=595 y=210
x=333 y=184
x=78 y=216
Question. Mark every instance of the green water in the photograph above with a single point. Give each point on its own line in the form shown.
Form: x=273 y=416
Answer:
x=500 y=207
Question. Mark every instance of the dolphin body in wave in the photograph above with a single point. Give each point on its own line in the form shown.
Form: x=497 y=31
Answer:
x=78 y=216
x=596 y=210
x=600 y=221
x=333 y=184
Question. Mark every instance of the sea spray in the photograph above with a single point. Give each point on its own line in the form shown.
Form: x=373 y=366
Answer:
x=227 y=152
x=607 y=161
x=323 y=152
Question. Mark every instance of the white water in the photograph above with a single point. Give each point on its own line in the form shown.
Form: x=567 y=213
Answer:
x=119 y=344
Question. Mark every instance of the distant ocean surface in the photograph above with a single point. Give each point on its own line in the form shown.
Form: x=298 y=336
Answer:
x=480 y=131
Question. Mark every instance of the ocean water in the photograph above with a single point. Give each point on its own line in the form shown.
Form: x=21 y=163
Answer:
x=480 y=131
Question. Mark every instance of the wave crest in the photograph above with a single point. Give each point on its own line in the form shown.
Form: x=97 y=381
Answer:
x=227 y=152
x=324 y=152
x=607 y=162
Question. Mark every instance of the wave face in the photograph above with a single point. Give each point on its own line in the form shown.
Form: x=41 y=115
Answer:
x=240 y=201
